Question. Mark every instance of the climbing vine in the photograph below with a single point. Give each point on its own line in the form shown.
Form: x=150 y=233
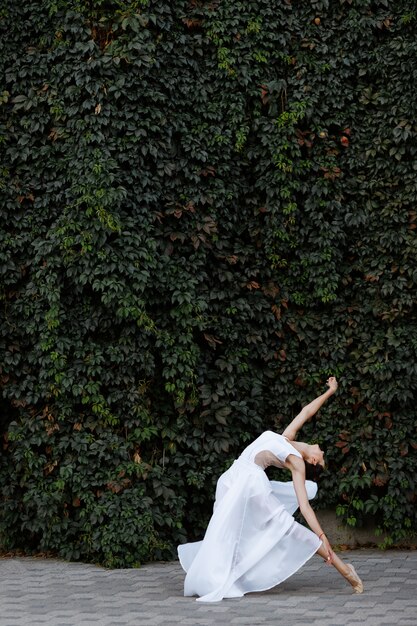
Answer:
x=208 y=207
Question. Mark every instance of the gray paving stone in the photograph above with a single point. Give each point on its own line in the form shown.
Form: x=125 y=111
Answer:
x=40 y=592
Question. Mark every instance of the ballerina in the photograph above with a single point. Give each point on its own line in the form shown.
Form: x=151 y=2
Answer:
x=252 y=542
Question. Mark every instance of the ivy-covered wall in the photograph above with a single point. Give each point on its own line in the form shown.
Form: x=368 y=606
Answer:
x=207 y=208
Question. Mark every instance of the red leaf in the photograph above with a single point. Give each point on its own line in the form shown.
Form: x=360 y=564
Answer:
x=276 y=310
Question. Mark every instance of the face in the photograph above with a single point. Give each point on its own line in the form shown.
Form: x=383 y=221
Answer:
x=316 y=456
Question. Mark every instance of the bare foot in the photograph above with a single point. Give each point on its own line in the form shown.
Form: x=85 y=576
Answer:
x=354 y=579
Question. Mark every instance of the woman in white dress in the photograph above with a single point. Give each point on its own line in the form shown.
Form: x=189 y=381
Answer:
x=252 y=542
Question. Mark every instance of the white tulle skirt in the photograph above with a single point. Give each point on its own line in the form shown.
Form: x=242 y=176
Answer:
x=252 y=542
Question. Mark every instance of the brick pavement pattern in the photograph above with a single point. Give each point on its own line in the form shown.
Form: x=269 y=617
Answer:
x=47 y=592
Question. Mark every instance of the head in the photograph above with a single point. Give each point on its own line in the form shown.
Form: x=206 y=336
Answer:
x=314 y=462
x=313 y=472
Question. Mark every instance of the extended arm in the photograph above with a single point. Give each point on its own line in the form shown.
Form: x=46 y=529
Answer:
x=309 y=410
x=297 y=467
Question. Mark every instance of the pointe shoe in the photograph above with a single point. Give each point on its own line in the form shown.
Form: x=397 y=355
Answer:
x=354 y=579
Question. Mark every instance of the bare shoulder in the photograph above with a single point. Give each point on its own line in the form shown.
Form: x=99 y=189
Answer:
x=295 y=463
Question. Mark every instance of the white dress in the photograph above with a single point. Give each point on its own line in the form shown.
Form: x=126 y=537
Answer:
x=252 y=542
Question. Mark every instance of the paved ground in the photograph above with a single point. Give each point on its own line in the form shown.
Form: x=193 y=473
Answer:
x=54 y=593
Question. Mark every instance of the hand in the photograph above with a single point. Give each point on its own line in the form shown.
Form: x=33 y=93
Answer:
x=329 y=551
x=332 y=383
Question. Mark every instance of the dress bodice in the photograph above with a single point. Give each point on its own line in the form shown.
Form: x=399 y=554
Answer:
x=269 y=449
